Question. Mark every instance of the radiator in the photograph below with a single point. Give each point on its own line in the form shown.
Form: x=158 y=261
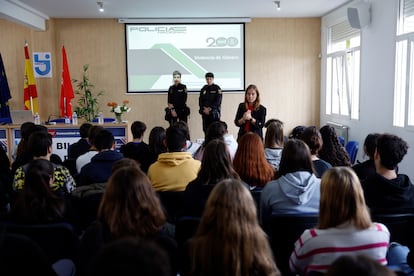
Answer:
x=341 y=130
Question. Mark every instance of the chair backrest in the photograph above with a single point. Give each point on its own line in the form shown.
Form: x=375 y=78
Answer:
x=185 y=229
x=399 y=225
x=19 y=255
x=256 y=194
x=341 y=140
x=57 y=240
x=172 y=203
x=352 y=149
x=285 y=230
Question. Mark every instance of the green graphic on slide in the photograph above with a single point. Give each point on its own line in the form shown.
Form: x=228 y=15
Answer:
x=146 y=82
x=181 y=58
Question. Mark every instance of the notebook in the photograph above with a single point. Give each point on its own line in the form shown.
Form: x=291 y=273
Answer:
x=21 y=116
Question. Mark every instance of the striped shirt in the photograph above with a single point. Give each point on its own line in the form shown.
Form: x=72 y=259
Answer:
x=316 y=249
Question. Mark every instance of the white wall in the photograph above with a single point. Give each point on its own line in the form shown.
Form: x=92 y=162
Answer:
x=377 y=79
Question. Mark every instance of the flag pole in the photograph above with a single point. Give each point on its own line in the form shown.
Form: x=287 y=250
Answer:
x=64 y=106
x=31 y=103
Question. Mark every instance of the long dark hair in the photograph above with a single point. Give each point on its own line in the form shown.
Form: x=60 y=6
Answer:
x=37 y=203
x=156 y=140
x=216 y=164
x=296 y=156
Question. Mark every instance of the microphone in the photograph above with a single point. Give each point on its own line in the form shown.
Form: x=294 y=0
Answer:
x=48 y=122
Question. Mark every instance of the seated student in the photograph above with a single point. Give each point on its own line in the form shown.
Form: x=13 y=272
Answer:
x=131 y=257
x=250 y=162
x=357 y=265
x=215 y=166
x=332 y=151
x=21 y=155
x=24 y=154
x=367 y=168
x=229 y=140
x=137 y=149
x=297 y=190
x=344 y=226
x=312 y=137
x=176 y=168
x=100 y=168
x=129 y=208
x=156 y=143
x=274 y=141
x=229 y=239
x=82 y=145
x=6 y=180
x=191 y=147
x=297 y=132
x=85 y=158
x=386 y=191
x=37 y=203
x=40 y=147
x=215 y=130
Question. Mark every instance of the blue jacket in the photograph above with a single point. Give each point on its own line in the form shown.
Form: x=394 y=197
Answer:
x=100 y=168
x=297 y=192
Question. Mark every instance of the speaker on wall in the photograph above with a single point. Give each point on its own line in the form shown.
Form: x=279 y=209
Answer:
x=359 y=15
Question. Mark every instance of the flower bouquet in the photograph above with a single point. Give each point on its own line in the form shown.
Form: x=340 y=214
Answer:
x=119 y=109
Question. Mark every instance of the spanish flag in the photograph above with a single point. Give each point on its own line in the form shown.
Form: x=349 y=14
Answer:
x=66 y=89
x=30 y=93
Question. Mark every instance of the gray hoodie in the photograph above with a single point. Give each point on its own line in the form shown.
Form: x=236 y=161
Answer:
x=293 y=193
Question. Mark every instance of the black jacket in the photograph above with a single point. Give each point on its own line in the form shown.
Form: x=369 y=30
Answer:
x=389 y=196
x=259 y=115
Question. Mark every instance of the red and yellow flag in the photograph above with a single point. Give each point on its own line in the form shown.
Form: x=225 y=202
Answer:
x=66 y=89
x=30 y=92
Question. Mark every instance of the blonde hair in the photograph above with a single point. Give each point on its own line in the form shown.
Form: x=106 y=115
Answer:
x=342 y=200
x=229 y=240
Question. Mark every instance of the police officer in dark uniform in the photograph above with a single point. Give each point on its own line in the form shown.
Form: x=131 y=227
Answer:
x=177 y=98
x=210 y=102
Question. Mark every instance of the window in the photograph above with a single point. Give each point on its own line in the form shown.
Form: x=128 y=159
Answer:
x=342 y=71
x=404 y=70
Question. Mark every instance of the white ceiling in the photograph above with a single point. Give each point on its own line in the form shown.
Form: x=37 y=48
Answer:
x=182 y=8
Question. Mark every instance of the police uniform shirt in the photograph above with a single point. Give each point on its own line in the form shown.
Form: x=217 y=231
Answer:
x=210 y=96
x=177 y=95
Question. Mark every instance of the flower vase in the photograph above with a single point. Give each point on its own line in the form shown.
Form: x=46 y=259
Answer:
x=118 y=117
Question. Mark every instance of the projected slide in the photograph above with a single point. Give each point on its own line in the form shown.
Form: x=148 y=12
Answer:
x=155 y=51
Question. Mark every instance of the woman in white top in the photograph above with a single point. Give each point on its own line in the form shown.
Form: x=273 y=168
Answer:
x=344 y=226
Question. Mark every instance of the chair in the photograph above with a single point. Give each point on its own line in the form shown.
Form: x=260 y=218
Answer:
x=185 y=229
x=57 y=240
x=172 y=203
x=400 y=227
x=341 y=140
x=19 y=255
x=256 y=194
x=352 y=149
x=285 y=230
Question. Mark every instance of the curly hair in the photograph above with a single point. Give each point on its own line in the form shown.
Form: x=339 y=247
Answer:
x=229 y=239
x=391 y=150
x=250 y=161
x=332 y=151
